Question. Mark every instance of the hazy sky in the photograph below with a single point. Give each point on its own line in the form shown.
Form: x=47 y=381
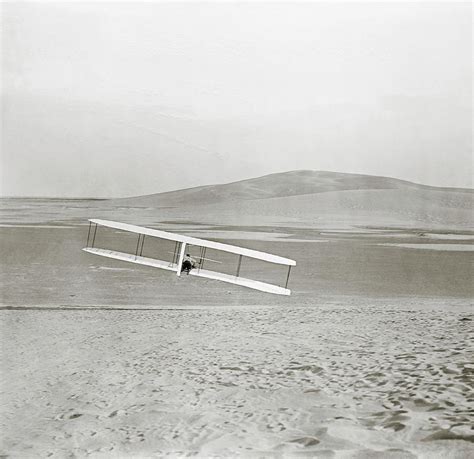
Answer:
x=121 y=99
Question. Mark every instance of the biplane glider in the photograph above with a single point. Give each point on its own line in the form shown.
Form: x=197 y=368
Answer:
x=181 y=242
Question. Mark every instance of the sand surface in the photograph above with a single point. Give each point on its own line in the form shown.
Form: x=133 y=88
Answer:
x=444 y=247
x=46 y=266
x=370 y=357
x=383 y=380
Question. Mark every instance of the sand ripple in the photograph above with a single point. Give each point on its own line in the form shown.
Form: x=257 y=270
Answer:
x=328 y=381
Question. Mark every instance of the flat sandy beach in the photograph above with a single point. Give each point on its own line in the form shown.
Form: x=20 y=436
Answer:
x=371 y=356
x=338 y=380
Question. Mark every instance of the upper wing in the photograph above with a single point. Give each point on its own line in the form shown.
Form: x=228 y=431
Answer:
x=198 y=242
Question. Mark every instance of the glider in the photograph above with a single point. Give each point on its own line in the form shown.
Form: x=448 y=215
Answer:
x=180 y=250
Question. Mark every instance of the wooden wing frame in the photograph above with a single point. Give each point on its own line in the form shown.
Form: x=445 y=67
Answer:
x=182 y=242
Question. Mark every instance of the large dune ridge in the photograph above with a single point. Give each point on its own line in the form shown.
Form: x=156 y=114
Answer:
x=319 y=197
x=284 y=184
x=307 y=199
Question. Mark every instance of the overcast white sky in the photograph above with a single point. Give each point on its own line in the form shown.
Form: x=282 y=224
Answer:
x=121 y=99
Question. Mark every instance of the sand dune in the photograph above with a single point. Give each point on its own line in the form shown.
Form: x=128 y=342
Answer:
x=292 y=183
x=429 y=208
x=319 y=199
x=353 y=380
x=298 y=198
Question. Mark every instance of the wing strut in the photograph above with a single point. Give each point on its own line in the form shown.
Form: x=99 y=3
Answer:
x=138 y=245
x=288 y=276
x=203 y=257
x=175 y=254
x=88 y=234
x=238 y=266
x=95 y=231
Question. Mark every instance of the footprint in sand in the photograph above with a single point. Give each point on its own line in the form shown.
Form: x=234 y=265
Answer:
x=306 y=441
